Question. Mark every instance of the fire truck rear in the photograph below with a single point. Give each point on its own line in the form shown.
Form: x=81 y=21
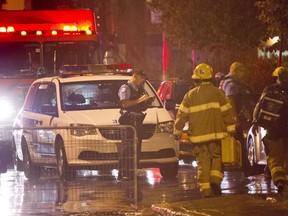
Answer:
x=34 y=44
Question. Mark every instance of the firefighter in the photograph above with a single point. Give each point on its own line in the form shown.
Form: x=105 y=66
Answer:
x=267 y=172
x=210 y=119
x=276 y=141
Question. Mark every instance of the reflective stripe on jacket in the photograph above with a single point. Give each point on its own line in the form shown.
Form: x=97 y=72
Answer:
x=208 y=112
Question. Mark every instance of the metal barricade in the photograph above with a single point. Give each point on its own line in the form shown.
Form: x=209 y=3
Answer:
x=82 y=164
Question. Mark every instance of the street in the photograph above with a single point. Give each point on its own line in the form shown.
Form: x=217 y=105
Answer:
x=101 y=192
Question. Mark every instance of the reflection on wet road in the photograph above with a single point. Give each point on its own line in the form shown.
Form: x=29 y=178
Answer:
x=93 y=191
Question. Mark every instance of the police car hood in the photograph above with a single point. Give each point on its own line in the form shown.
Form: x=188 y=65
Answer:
x=111 y=116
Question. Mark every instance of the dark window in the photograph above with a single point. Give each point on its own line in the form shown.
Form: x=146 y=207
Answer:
x=30 y=97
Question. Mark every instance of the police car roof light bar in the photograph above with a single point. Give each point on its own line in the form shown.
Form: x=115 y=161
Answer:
x=93 y=69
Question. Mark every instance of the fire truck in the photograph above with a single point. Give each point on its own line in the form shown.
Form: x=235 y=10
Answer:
x=35 y=44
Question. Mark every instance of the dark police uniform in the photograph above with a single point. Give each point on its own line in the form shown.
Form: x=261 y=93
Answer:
x=133 y=116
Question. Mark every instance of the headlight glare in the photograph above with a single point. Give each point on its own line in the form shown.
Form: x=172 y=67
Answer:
x=7 y=111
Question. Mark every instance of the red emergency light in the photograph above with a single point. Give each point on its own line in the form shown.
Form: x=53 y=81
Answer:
x=46 y=23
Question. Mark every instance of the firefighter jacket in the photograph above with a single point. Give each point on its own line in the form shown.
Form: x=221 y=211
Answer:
x=208 y=113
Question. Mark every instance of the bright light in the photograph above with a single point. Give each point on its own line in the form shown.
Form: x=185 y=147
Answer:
x=194 y=164
x=23 y=33
x=73 y=28
x=70 y=28
x=54 y=32
x=6 y=110
x=2 y=29
x=88 y=32
x=66 y=28
x=10 y=29
x=38 y=32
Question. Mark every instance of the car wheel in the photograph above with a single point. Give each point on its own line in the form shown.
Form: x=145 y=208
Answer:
x=64 y=171
x=255 y=168
x=31 y=171
x=170 y=170
x=18 y=164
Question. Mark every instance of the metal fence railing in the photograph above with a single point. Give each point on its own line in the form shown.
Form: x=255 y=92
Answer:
x=90 y=164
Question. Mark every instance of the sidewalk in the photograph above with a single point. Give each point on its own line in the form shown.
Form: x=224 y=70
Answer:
x=246 y=204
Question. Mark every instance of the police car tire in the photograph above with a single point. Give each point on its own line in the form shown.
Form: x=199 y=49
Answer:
x=170 y=170
x=65 y=172
x=31 y=170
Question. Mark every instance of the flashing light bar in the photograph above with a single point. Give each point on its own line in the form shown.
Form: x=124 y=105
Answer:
x=67 y=29
x=80 y=70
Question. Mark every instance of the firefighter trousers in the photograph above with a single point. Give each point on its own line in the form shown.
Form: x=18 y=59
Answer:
x=209 y=165
x=277 y=156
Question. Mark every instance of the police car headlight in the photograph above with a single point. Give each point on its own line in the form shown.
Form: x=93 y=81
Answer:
x=82 y=129
x=7 y=110
x=165 y=127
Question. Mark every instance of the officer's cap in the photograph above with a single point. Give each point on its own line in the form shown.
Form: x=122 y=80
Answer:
x=141 y=73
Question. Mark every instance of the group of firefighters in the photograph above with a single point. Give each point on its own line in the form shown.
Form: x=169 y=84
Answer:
x=213 y=114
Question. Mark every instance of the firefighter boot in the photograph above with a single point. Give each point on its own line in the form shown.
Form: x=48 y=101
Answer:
x=216 y=189
x=280 y=184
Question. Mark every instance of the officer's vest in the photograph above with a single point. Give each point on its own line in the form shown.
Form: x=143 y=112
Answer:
x=243 y=90
x=135 y=95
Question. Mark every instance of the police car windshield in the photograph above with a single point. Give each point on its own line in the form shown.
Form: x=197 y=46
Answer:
x=91 y=95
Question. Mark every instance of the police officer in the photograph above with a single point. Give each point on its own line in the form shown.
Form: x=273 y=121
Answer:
x=210 y=119
x=276 y=141
x=236 y=90
x=134 y=101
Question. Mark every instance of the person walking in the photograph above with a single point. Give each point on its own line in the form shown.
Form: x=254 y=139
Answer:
x=276 y=138
x=133 y=101
x=235 y=90
x=210 y=119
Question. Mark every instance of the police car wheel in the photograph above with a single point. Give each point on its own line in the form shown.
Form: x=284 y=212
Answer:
x=31 y=170
x=169 y=170
x=64 y=171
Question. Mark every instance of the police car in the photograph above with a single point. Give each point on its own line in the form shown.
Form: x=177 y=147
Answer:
x=87 y=97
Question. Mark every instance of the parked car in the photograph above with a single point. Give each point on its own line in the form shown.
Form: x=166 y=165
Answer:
x=171 y=93
x=87 y=98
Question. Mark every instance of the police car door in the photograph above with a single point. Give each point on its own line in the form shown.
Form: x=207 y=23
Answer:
x=44 y=109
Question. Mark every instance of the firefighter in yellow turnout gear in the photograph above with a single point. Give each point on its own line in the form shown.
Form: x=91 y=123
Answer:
x=276 y=138
x=210 y=119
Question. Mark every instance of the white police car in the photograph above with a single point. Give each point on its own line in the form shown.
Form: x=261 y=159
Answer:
x=87 y=100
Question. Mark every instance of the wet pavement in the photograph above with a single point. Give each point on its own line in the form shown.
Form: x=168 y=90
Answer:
x=94 y=193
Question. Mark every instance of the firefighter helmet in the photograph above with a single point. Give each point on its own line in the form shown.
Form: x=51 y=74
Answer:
x=276 y=71
x=283 y=75
x=202 y=71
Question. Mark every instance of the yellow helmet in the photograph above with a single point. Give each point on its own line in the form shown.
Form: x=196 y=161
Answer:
x=202 y=71
x=276 y=71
